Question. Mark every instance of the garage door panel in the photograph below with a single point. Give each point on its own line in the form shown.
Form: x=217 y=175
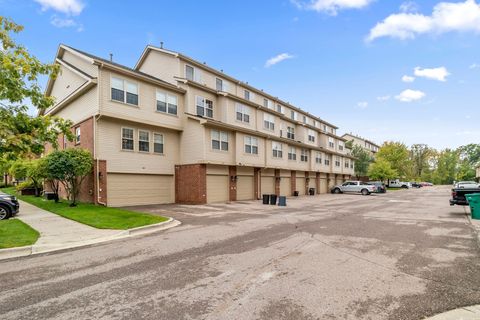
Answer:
x=268 y=185
x=285 y=186
x=135 y=189
x=217 y=188
x=245 y=188
x=300 y=186
x=323 y=186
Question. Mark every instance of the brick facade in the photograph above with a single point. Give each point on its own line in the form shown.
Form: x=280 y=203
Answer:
x=256 y=182
x=277 y=182
x=232 y=173
x=191 y=184
x=293 y=182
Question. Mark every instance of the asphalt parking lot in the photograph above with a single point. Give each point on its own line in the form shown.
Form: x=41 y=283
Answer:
x=402 y=255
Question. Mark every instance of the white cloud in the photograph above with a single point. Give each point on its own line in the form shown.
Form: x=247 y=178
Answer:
x=331 y=7
x=439 y=74
x=65 y=23
x=406 y=78
x=383 y=98
x=277 y=59
x=446 y=17
x=69 y=7
x=362 y=104
x=409 y=6
x=410 y=95
x=474 y=66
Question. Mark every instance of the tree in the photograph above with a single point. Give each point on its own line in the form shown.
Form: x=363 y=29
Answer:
x=362 y=161
x=446 y=170
x=397 y=154
x=419 y=159
x=70 y=167
x=30 y=170
x=381 y=170
x=20 y=133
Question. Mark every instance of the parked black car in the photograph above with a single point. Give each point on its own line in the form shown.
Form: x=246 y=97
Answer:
x=9 y=206
x=458 y=195
x=416 y=185
x=381 y=188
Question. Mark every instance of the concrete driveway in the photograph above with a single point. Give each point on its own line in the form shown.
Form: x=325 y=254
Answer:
x=402 y=255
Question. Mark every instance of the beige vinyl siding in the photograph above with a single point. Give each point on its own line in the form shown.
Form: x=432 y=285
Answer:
x=217 y=188
x=248 y=159
x=192 y=140
x=138 y=189
x=110 y=148
x=323 y=185
x=219 y=156
x=80 y=63
x=170 y=66
x=66 y=82
x=82 y=108
x=300 y=185
x=147 y=103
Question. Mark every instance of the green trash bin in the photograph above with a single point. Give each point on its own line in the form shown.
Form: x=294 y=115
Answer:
x=474 y=203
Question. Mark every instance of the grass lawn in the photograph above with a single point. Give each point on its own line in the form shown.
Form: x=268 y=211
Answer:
x=92 y=215
x=15 y=233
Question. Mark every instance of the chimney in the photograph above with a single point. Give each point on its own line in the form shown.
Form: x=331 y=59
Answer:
x=111 y=57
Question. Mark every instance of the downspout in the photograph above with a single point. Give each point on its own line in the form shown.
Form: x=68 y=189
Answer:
x=95 y=120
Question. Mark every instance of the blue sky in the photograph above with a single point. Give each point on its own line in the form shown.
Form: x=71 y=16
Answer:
x=344 y=60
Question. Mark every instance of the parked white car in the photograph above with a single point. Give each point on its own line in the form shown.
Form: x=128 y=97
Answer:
x=399 y=184
x=355 y=187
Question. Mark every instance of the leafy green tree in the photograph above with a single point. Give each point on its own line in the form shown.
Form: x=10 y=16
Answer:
x=363 y=160
x=419 y=159
x=4 y=169
x=30 y=170
x=70 y=167
x=381 y=170
x=446 y=170
x=398 y=155
x=20 y=133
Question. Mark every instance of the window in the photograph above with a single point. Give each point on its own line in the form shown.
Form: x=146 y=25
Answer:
x=291 y=133
x=268 y=121
x=311 y=135
x=189 y=72
x=277 y=150
x=304 y=119
x=327 y=160
x=347 y=164
x=219 y=84
x=293 y=115
x=124 y=91
x=292 y=153
x=304 y=155
x=143 y=141
x=280 y=109
x=204 y=107
x=340 y=145
x=267 y=104
x=324 y=128
x=166 y=103
x=351 y=165
x=246 y=95
x=127 y=139
x=314 y=123
x=331 y=143
x=337 y=161
x=251 y=145
x=219 y=140
x=243 y=113
x=158 y=143
x=77 y=135
x=318 y=158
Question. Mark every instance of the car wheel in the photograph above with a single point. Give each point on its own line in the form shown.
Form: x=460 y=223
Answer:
x=337 y=191
x=4 y=213
x=405 y=186
x=365 y=192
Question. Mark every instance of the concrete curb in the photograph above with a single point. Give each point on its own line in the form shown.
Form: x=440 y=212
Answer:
x=38 y=249
x=465 y=313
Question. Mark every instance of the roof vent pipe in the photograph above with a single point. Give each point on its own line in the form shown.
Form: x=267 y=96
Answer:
x=111 y=57
x=161 y=44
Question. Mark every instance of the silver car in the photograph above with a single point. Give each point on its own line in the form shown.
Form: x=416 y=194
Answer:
x=354 y=187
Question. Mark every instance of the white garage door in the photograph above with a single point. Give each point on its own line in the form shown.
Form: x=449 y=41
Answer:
x=217 y=188
x=300 y=186
x=245 y=188
x=125 y=189
x=323 y=185
x=285 y=186
x=268 y=185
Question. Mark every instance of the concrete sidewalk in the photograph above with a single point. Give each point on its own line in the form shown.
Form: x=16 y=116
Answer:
x=465 y=313
x=58 y=233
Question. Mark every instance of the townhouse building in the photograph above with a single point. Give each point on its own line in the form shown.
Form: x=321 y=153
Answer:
x=368 y=145
x=174 y=130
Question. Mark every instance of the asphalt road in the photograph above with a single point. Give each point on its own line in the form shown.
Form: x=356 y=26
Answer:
x=403 y=255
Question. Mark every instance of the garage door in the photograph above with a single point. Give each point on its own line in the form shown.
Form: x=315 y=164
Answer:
x=245 y=188
x=217 y=188
x=268 y=185
x=323 y=185
x=301 y=186
x=125 y=189
x=285 y=186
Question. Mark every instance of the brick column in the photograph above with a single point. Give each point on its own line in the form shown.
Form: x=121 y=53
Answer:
x=256 y=182
x=293 y=181
x=191 y=184
x=100 y=182
x=232 y=172
x=317 y=182
x=277 y=182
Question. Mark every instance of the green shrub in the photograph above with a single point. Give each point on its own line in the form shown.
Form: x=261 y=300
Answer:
x=25 y=185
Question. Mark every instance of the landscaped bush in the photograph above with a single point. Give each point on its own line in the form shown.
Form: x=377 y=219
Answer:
x=25 y=185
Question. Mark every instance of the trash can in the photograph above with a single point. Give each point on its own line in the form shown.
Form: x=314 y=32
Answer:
x=295 y=193
x=266 y=199
x=273 y=199
x=49 y=195
x=474 y=203
x=282 y=201
x=311 y=191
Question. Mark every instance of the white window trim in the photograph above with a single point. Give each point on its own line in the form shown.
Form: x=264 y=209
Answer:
x=153 y=143
x=244 y=110
x=121 y=139
x=78 y=137
x=149 y=142
x=251 y=145
x=204 y=106
x=166 y=97
x=125 y=91
x=220 y=141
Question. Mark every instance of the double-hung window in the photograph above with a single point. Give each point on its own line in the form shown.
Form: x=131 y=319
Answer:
x=291 y=133
x=318 y=157
x=219 y=140
x=189 y=73
x=166 y=103
x=246 y=95
x=78 y=135
x=242 y=112
x=340 y=145
x=304 y=155
x=267 y=104
x=127 y=139
x=268 y=121
x=292 y=153
x=219 y=84
x=311 y=135
x=277 y=150
x=347 y=164
x=143 y=141
x=204 y=107
x=327 y=160
x=158 y=143
x=305 y=119
x=331 y=142
x=251 y=145
x=280 y=108
x=293 y=115
x=124 y=91
x=337 y=161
